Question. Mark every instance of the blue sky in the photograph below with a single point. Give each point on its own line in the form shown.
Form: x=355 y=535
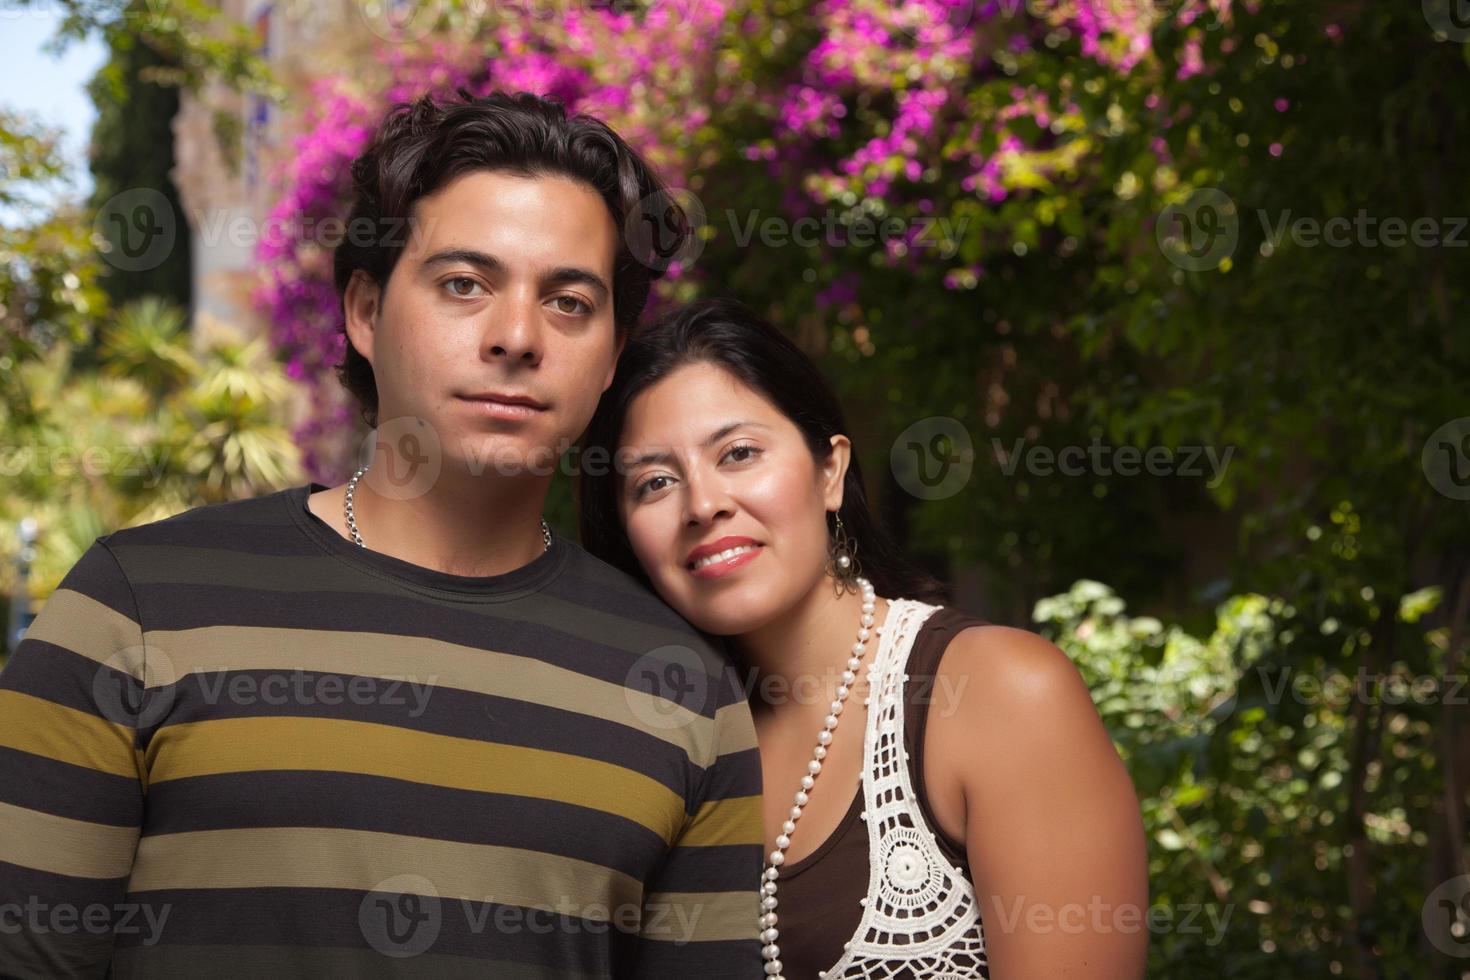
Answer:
x=46 y=86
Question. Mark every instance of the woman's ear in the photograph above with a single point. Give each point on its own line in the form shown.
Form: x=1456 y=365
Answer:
x=361 y=304
x=834 y=471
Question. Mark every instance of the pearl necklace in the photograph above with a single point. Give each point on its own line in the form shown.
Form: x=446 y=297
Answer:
x=352 y=520
x=769 y=933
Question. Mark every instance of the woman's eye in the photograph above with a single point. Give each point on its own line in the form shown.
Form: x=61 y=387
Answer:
x=643 y=487
x=578 y=305
x=750 y=451
x=457 y=282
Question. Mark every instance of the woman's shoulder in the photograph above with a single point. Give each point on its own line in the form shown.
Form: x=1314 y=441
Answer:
x=992 y=673
x=1010 y=669
x=1020 y=700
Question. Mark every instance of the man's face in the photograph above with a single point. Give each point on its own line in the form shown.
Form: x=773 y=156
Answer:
x=504 y=287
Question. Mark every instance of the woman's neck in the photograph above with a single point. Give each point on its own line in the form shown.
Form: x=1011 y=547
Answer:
x=795 y=661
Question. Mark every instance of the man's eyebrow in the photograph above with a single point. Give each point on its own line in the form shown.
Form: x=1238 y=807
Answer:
x=660 y=456
x=469 y=256
x=563 y=275
x=570 y=275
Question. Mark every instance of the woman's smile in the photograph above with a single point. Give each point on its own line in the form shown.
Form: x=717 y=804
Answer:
x=725 y=562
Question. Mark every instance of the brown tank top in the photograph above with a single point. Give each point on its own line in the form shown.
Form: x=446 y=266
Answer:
x=820 y=894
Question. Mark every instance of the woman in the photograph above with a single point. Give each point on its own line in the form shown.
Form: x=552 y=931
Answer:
x=941 y=798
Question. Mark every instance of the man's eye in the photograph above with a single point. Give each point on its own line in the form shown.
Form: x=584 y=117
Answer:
x=577 y=305
x=462 y=285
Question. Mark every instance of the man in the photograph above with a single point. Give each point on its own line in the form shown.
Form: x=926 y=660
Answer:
x=397 y=727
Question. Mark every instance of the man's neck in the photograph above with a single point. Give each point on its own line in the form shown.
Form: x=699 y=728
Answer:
x=462 y=525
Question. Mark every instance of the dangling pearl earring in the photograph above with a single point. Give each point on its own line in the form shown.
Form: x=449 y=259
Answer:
x=842 y=561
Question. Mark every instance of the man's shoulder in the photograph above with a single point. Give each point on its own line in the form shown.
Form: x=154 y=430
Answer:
x=153 y=550
x=606 y=587
x=209 y=524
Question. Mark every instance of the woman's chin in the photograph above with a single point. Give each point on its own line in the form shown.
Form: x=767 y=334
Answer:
x=725 y=616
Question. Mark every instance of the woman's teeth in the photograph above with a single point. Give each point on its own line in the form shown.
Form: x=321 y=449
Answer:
x=725 y=555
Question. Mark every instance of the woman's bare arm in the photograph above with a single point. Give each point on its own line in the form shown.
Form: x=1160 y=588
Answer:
x=1052 y=825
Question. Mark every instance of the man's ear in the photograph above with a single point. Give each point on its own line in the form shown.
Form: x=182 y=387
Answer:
x=617 y=354
x=834 y=471
x=361 y=303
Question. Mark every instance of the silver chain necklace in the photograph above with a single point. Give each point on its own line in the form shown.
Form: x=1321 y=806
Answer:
x=352 y=521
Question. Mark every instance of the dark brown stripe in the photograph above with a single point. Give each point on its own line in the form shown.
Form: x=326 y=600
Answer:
x=56 y=674
x=722 y=960
x=259 y=926
x=610 y=655
x=714 y=869
x=357 y=802
x=278 y=962
x=66 y=790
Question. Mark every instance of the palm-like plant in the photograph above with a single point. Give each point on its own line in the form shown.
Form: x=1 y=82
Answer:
x=159 y=429
x=146 y=342
x=238 y=442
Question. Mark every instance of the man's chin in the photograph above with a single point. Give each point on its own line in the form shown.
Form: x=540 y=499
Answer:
x=508 y=454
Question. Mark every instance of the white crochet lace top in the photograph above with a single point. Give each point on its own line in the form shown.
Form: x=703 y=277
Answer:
x=921 y=917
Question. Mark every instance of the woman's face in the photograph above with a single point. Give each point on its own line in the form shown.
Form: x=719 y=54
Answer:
x=707 y=461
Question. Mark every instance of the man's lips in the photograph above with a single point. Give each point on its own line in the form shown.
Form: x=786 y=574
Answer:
x=505 y=398
x=507 y=408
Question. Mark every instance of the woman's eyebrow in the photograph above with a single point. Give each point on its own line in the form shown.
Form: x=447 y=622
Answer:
x=663 y=456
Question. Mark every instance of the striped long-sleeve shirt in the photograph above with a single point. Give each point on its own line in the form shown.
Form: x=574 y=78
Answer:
x=233 y=743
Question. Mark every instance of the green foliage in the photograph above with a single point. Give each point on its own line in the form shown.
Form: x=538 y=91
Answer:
x=196 y=39
x=48 y=262
x=160 y=429
x=133 y=147
x=1238 y=745
x=115 y=417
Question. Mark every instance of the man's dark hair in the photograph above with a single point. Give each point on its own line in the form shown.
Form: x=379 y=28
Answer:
x=422 y=145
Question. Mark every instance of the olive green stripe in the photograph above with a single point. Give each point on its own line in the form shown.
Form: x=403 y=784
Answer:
x=426 y=661
x=61 y=845
x=360 y=860
x=77 y=622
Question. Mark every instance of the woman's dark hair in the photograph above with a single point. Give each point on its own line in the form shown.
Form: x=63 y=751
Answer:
x=731 y=336
x=422 y=145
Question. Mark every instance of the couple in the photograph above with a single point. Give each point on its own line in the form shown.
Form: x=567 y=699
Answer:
x=398 y=727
